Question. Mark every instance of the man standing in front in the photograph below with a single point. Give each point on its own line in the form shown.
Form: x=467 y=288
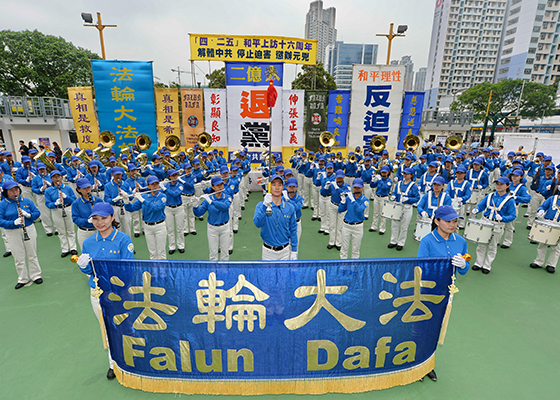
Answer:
x=277 y=220
x=354 y=204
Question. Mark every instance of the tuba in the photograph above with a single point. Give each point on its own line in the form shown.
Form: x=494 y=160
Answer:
x=204 y=140
x=173 y=143
x=107 y=139
x=411 y=140
x=454 y=142
x=42 y=156
x=143 y=142
x=326 y=139
x=378 y=143
x=352 y=158
x=66 y=157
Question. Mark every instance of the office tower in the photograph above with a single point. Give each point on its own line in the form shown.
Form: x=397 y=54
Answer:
x=341 y=56
x=319 y=25
x=420 y=80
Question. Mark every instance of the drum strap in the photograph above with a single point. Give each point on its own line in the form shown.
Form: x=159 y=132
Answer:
x=439 y=202
x=407 y=189
x=457 y=189
x=555 y=207
x=492 y=207
x=514 y=193
x=477 y=179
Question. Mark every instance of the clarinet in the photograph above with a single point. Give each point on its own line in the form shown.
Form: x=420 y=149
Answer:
x=61 y=202
x=121 y=201
x=20 y=212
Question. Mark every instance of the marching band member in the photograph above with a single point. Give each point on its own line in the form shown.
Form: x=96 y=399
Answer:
x=365 y=173
x=39 y=184
x=189 y=199
x=17 y=215
x=478 y=178
x=301 y=167
x=112 y=164
x=308 y=181
x=229 y=188
x=334 y=189
x=460 y=192
x=217 y=204
x=95 y=177
x=542 y=186
x=75 y=171
x=433 y=199
x=236 y=205
x=326 y=176
x=350 y=169
x=497 y=207
x=174 y=212
x=406 y=193
x=354 y=204
x=24 y=176
x=52 y=158
x=382 y=185
x=406 y=164
x=156 y=168
x=421 y=168
x=10 y=166
x=3 y=179
x=447 y=172
x=425 y=183
x=135 y=182
x=549 y=210
x=291 y=196
x=276 y=219
x=318 y=173
x=245 y=169
x=58 y=198
x=118 y=193
x=81 y=210
x=107 y=243
x=152 y=204
x=521 y=196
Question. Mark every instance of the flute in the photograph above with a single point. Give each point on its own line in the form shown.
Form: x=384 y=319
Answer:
x=20 y=213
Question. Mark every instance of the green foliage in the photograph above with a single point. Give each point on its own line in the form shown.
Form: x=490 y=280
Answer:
x=536 y=99
x=161 y=85
x=217 y=79
x=34 y=64
x=323 y=80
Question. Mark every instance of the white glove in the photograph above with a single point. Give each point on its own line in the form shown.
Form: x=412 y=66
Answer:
x=285 y=194
x=342 y=199
x=499 y=217
x=334 y=185
x=425 y=214
x=541 y=213
x=207 y=198
x=393 y=198
x=404 y=198
x=195 y=200
x=90 y=220
x=18 y=221
x=475 y=211
x=14 y=169
x=83 y=260
x=58 y=202
x=162 y=186
x=268 y=198
x=126 y=199
x=458 y=261
x=328 y=184
x=182 y=181
x=351 y=196
x=293 y=256
x=25 y=214
x=459 y=200
x=377 y=178
x=123 y=194
x=29 y=179
x=139 y=197
x=64 y=195
x=118 y=198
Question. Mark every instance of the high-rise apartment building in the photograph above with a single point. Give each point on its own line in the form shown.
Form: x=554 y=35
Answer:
x=319 y=25
x=420 y=80
x=529 y=48
x=341 y=56
x=408 y=72
x=464 y=46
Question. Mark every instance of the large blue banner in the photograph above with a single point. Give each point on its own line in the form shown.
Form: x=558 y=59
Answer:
x=337 y=118
x=124 y=92
x=273 y=327
x=411 y=116
x=254 y=74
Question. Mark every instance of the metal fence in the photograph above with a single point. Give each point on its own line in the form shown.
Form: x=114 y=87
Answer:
x=462 y=118
x=34 y=107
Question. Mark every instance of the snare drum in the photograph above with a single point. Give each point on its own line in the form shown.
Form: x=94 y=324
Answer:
x=392 y=210
x=479 y=231
x=423 y=228
x=545 y=232
x=455 y=204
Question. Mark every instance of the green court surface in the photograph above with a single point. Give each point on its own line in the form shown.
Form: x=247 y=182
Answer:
x=503 y=339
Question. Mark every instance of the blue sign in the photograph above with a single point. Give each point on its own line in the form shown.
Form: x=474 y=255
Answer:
x=254 y=74
x=412 y=115
x=124 y=92
x=337 y=118
x=256 y=326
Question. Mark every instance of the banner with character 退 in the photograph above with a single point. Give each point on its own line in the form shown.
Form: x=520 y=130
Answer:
x=303 y=327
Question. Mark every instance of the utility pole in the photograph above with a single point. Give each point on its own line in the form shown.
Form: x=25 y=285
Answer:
x=179 y=72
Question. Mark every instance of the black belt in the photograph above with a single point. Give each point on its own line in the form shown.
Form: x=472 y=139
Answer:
x=352 y=223
x=336 y=204
x=154 y=223
x=175 y=206
x=64 y=206
x=86 y=229
x=324 y=196
x=219 y=224
x=275 y=248
x=381 y=196
x=187 y=195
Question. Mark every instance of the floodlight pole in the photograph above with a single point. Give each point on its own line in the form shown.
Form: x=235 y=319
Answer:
x=100 y=28
x=390 y=37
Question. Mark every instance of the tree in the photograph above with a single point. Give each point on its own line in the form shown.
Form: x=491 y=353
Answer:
x=34 y=64
x=323 y=80
x=217 y=79
x=536 y=99
x=161 y=85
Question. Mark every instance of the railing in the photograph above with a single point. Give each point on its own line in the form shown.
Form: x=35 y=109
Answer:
x=34 y=107
x=462 y=118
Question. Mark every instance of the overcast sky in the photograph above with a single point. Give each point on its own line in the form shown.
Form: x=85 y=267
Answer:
x=158 y=30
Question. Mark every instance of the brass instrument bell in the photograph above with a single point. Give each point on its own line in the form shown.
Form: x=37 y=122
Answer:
x=143 y=142
x=326 y=139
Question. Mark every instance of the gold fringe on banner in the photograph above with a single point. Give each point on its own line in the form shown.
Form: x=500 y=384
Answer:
x=452 y=290
x=292 y=386
x=102 y=326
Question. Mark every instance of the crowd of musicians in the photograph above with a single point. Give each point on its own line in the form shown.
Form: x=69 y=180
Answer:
x=163 y=197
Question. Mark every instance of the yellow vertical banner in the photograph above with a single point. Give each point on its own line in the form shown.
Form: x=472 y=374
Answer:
x=167 y=114
x=83 y=114
x=193 y=117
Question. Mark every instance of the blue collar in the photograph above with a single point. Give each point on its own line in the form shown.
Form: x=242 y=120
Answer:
x=111 y=236
x=440 y=239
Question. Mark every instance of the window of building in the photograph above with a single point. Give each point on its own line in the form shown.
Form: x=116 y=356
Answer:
x=513 y=21
x=509 y=41
x=515 y=10
x=511 y=31
x=503 y=71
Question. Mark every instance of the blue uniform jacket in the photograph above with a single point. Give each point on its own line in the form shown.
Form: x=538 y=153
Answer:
x=429 y=202
x=173 y=192
x=218 y=211
x=37 y=184
x=492 y=201
x=409 y=190
x=23 y=173
x=520 y=193
x=551 y=206
x=354 y=209
x=81 y=211
x=383 y=186
x=9 y=212
x=152 y=207
x=297 y=203
x=52 y=195
x=280 y=228
x=433 y=245
x=462 y=190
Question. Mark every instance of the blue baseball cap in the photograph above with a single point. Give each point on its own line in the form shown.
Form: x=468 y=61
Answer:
x=32 y=151
x=304 y=154
x=204 y=154
x=276 y=176
x=280 y=168
x=358 y=182
x=439 y=180
x=233 y=168
x=102 y=209
x=196 y=161
x=111 y=159
x=409 y=171
x=9 y=184
x=77 y=149
x=292 y=182
x=216 y=180
x=385 y=168
x=171 y=172
x=117 y=171
x=288 y=171
x=152 y=179
x=433 y=164
x=330 y=165
x=446 y=213
x=224 y=169
x=89 y=152
x=423 y=156
x=461 y=169
x=155 y=157
x=25 y=159
x=51 y=154
x=384 y=152
x=540 y=154
x=237 y=160
x=40 y=165
x=93 y=163
x=408 y=157
x=187 y=165
x=548 y=158
x=477 y=161
x=517 y=172
x=82 y=183
x=55 y=172
x=166 y=153
x=131 y=167
x=511 y=154
x=339 y=173
x=550 y=167
x=503 y=179
x=7 y=153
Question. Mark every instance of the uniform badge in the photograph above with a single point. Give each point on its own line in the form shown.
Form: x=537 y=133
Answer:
x=131 y=248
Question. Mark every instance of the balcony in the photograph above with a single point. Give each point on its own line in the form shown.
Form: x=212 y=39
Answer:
x=34 y=107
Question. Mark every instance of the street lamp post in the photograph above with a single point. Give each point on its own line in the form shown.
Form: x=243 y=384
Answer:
x=89 y=22
x=401 y=29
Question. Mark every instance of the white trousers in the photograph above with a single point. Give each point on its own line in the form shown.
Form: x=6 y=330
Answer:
x=236 y=206
x=65 y=228
x=378 y=219
x=136 y=218
x=198 y=187
x=271 y=255
x=536 y=200
x=367 y=193
x=46 y=219
x=552 y=260
x=5 y=239
x=156 y=240
x=335 y=225
x=463 y=213
x=486 y=253
x=95 y=306
x=509 y=228
x=174 y=223
x=323 y=214
x=83 y=235
x=354 y=232
x=124 y=220
x=399 y=228
x=24 y=250
x=307 y=183
x=315 y=200
x=26 y=192
x=218 y=238
x=349 y=180
x=188 y=226
x=300 y=180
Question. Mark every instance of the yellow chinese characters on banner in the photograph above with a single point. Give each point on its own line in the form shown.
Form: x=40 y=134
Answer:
x=167 y=118
x=83 y=114
x=193 y=117
x=253 y=48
